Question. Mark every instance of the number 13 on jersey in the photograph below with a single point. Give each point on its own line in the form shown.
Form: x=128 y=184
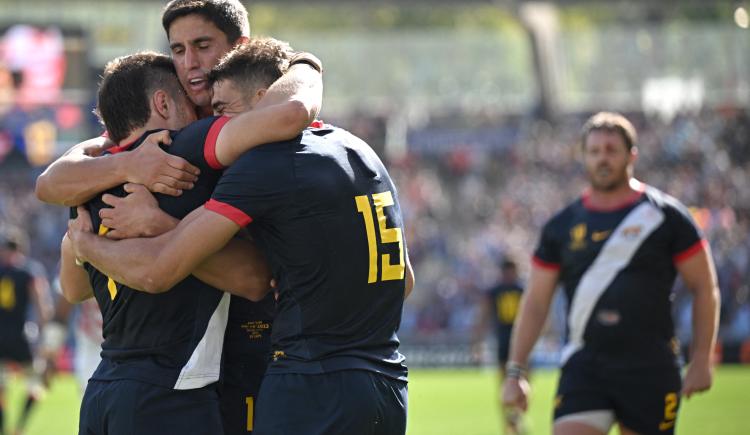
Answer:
x=387 y=235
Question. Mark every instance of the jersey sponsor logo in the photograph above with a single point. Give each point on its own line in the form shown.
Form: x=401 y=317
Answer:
x=278 y=354
x=255 y=329
x=608 y=317
x=598 y=236
x=578 y=237
x=631 y=232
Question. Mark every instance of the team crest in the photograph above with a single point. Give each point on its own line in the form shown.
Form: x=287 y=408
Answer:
x=631 y=232
x=578 y=237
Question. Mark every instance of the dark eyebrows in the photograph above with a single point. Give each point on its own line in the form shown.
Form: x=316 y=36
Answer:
x=195 y=41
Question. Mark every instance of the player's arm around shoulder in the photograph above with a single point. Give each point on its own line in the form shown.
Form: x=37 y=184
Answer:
x=155 y=264
x=289 y=106
x=699 y=274
x=81 y=173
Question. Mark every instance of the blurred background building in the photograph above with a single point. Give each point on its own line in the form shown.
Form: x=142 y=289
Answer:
x=475 y=105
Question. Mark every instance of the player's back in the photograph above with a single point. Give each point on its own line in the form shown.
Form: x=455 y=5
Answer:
x=152 y=337
x=326 y=213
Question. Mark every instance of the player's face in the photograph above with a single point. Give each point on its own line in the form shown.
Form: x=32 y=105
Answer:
x=228 y=100
x=196 y=45
x=607 y=160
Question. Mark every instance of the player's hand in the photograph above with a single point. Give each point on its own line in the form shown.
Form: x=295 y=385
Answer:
x=78 y=228
x=516 y=393
x=135 y=215
x=96 y=146
x=698 y=378
x=159 y=171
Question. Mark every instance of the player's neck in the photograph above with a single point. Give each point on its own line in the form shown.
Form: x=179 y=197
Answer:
x=152 y=124
x=613 y=199
x=204 y=111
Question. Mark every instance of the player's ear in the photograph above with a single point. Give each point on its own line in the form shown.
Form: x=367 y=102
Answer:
x=160 y=102
x=259 y=94
x=633 y=154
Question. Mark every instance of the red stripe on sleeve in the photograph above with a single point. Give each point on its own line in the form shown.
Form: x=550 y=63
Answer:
x=209 y=147
x=544 y=264
x=689 y=252
x=233 y=213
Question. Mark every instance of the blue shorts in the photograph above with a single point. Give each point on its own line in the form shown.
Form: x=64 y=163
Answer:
x=238 y=393
x=16 y=349
x=349 y=402
x=126 y=407
x=643 y=400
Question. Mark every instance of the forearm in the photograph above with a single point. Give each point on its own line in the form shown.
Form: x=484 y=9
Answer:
x=155 y=264
x=527 y=329
x=76 y=178
x=74 y=281
x=283 y=121
x=301 y=83
x=705 y=324
x=161 y=222
x=132 y=262
x=238 y=268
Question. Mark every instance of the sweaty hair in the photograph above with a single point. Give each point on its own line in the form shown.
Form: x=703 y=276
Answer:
x=253 y=65
x=126 y=87
x=229 y=16
x=613 y=123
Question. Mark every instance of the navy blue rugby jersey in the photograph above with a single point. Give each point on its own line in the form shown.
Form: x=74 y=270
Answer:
x=14 y=301
x=247 y=342
x=505 y=299
x=617 y=268
x=173 y=339
x=326 y=213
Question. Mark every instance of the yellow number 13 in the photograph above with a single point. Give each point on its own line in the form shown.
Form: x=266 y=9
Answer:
x=387 y=235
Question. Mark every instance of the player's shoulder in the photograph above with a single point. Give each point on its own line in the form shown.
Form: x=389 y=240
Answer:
x=197 y=130
x=665 y=202
x=562 y=220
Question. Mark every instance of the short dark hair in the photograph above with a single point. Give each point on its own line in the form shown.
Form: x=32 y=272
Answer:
x=255 y=64
x=126 y=86
x=611 y=122
x=229 y=16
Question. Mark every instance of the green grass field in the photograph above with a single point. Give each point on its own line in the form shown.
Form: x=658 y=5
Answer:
x=459 y=402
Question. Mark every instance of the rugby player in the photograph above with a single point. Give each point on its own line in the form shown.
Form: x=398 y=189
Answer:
x=617 y=251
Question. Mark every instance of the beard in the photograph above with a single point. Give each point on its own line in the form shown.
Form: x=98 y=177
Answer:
x=605 y=178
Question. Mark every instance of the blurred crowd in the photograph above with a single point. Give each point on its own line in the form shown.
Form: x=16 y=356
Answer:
x=470 y=204
x=469 y=207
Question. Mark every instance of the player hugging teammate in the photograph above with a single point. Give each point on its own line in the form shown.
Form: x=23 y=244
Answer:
x=167 y=325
